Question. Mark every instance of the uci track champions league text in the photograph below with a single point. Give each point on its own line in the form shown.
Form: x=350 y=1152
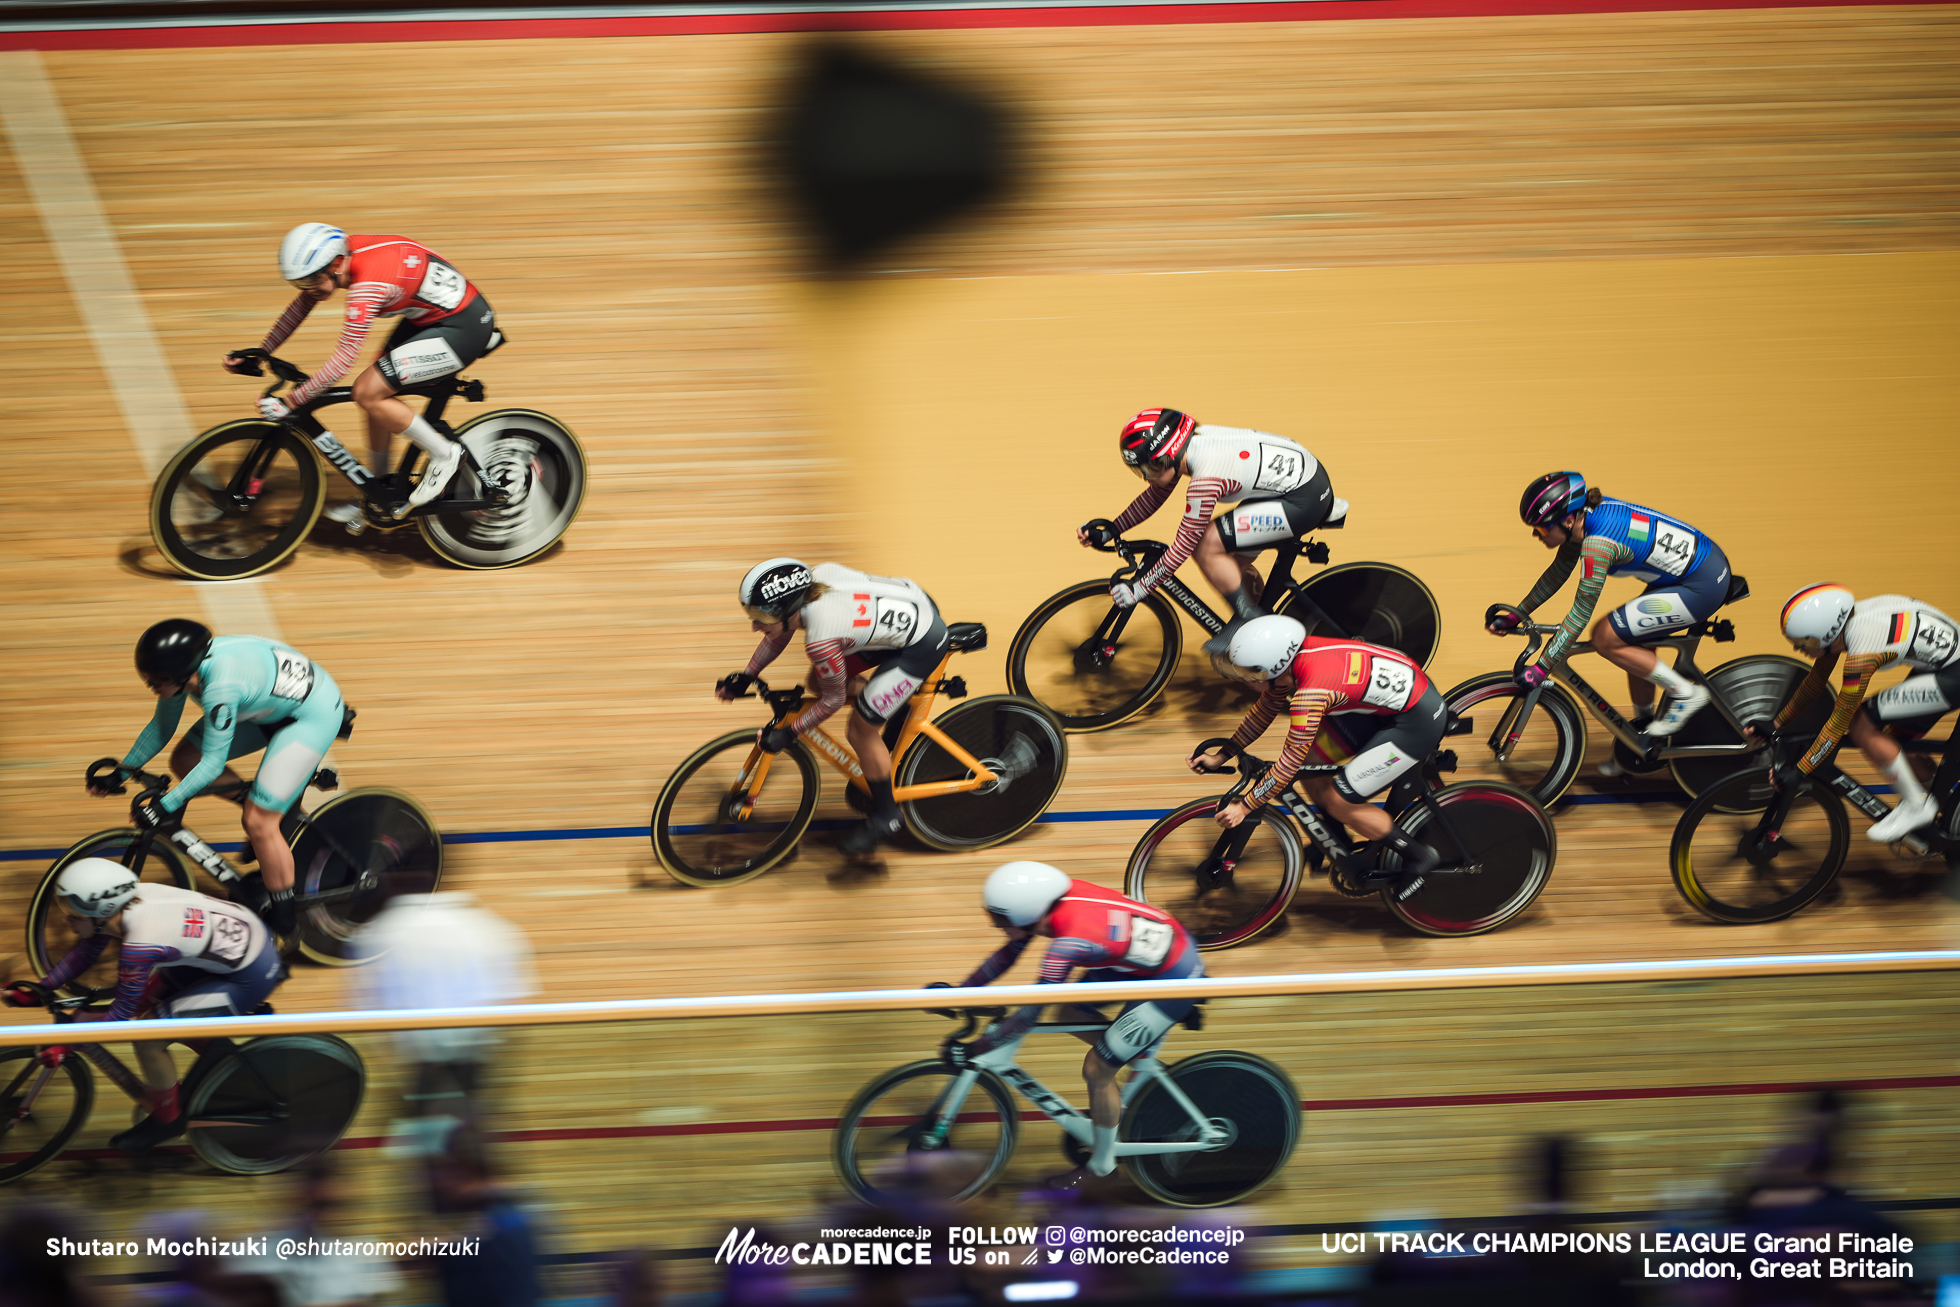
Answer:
x=1663 y=1254
x=996 y=1246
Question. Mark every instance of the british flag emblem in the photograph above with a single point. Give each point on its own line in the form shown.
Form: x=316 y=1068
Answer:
x=193 y=923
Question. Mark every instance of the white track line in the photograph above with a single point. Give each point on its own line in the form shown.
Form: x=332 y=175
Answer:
x=99 y=282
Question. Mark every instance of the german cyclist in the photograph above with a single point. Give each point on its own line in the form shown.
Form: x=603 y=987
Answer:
x=446 y=325
x=872 y=640
x=1827 y=625
x=1364 y=709
x=1281 y=492
x=180 y=954
x=1113 y=938
x=256 y=694
x=1687 y=577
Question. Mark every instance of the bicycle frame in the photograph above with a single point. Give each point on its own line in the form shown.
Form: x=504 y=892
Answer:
x=1831 y=776
x=1143 y=554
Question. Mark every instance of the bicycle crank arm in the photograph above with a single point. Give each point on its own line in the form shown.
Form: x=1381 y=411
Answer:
x=1214 y=1139
x=367 y=884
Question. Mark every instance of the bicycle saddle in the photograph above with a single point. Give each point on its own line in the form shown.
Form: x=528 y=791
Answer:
x=966 y=637
x=1738 y=589
x=1336 y=516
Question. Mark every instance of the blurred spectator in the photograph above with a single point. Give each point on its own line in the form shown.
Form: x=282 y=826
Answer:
x=502 y=1271
x=320 y=1279
x=640 y=1282
x=198 y=1278
x=29 y=1277
x=441 y=950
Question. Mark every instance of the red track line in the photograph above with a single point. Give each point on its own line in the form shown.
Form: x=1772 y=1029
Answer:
x=517 y=29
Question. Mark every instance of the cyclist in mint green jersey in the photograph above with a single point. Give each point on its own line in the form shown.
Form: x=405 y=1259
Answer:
x=256 y=694
x=1687 y=578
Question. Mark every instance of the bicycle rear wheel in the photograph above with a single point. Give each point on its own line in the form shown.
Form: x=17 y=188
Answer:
x=1178 y=866
x=48 y=935
x=888 y=1143
x=1376 y=602
x=540 y=462
x=1752 y=686
x=1018 y=740
x=274 y=1102
x=41 y=1108
x=1251 y=1097
x=1547 y=757
x=1723 y=866
x=369 y=830
x=236 y=500
x=1507 y=834
x=701 y=833
x=1090 y=664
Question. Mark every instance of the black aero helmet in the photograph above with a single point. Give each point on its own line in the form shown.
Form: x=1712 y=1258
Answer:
x=776 y=588
x=172 y=650
x=1552 y=498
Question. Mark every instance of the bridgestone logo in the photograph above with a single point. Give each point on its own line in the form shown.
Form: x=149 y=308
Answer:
x=775 y=587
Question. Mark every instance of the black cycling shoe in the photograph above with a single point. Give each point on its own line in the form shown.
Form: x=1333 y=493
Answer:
x=148 y=1133
x=861 y=840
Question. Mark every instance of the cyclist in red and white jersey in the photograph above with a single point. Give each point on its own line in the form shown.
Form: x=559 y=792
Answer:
x=871 y=639
x=1281 y=492
x=446 y=325
x=1825 y=623
x=1113 y=938
x=180 y=954
x=1363 y=708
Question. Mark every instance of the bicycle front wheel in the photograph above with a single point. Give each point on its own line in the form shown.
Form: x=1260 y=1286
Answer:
x=1753 y=686
x=904 y=1137
x=537 y=460
x=1253 y=1100
x=1091 y=664
x=1376 y=602
x=41 y=1108
x=48 y=935
x=1725 y=865
x=378 y=831
x=274 y=1102
x=1549 y=751
x=1018 y=740
x=236 y=500
x=1506 y=836
x=713 y=825
x=1181 y=865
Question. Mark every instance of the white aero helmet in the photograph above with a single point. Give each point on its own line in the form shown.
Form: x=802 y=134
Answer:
x=1021 y=893
x=1817 y=612
x=776 y=588
x=1263 y=649
x=308 y=248
x=95 y=887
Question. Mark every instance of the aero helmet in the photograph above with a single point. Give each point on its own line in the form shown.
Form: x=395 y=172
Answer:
x=308 y=248
x=1552 y=498
x=1817 y=612
x=1021 y=893
x=1263 y=649
x=95 y=887
x=1155 y=436
x=172 y=650
x=777 y=588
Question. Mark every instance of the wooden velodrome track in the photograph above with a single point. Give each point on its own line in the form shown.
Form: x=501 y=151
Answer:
x=1444 y=253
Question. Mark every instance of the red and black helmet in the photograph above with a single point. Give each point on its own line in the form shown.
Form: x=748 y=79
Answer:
x=1155 y=436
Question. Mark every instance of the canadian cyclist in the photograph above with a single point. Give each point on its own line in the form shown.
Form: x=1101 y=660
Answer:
x=256 y=694
x=1687 y=577
x=1364 y=709
x=1280 y=491
x=1827 y=625
x=180 y=954
x=1113 y=938
x=872 y=640
x=446 y=325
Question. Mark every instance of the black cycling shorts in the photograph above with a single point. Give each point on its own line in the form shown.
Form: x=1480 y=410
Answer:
x=1260 y=524
x=419 y=352
x=897 y=673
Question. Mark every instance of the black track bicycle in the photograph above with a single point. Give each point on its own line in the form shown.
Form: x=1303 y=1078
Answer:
x=238 y=499
x=1095 y=665
x=1226 y=887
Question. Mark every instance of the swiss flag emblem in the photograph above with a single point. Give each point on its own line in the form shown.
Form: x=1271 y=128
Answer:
x=412 y=262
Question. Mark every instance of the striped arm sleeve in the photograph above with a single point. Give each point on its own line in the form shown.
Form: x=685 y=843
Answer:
x=1063 y=956
x=364 y=303
x=1142 y=506
x=767 y=652
x=1808 y=690
x=288 y=322
x=1259 y=716
x=998 y=963
x=133 y=970
x=1309 y=708
x=827 y=656
x=75 y=961
x=1200 y=502
x=1554 y=576
x=1858 y=672
x=1598 y=554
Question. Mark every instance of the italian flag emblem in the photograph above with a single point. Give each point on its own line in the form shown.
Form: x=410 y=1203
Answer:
x=1640 y=526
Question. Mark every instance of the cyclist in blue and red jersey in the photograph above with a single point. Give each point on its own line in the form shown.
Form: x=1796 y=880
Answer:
x=446 y=326
x=1687 y=577
x=1113 y=938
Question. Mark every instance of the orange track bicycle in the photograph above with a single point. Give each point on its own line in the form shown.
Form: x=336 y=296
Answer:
x=981 y=773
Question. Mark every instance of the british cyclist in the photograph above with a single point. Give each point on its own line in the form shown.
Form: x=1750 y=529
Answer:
x=1112 y=938
x=180 y=954
x=1280 y=491
x=1364 y=709
x=446 y=325
x=871 y=640
x=1827 y=625
x=256 y=694
x=1687 y=577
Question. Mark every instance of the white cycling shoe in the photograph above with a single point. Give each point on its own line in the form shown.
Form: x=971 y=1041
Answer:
x=1903 y=820
x=1678 y=711
x=435 y=478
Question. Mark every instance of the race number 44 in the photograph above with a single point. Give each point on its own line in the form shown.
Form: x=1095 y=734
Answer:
x=1673 y=548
